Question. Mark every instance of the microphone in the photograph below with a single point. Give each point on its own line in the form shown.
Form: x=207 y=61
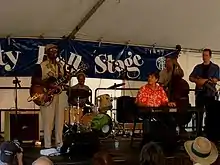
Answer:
x=178 y=48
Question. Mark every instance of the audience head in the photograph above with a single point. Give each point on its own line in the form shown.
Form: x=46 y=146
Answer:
x=201 y=151
x=8 y=151
x=153 y=78
x=102 y=158
x=42 y=161
x=151 y=154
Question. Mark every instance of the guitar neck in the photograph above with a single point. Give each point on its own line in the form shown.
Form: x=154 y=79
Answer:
x=60 y=80
x=64 y=78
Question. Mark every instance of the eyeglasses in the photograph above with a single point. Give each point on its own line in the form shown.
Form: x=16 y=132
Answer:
x=53 y=50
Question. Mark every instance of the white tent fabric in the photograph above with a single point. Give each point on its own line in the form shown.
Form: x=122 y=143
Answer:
x=193 y=24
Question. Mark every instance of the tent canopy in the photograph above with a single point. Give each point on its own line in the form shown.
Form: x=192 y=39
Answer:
x=193 y=24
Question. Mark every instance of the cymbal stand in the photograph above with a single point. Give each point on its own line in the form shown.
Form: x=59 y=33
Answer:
x=113 y=107
x=69 y=108
x=68 y=124
x=78 y=113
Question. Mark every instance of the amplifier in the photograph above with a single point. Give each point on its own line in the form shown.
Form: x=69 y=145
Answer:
x=126 y=109
x=23 y=126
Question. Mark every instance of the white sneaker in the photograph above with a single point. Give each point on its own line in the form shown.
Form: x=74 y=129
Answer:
x=49 y=152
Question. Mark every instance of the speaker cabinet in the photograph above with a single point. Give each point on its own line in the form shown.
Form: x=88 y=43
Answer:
x=23 y=125
x=126 y=109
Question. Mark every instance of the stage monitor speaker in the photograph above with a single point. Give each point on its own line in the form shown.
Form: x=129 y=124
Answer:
x=126 y=109
x=84 y=144
x=24 y=126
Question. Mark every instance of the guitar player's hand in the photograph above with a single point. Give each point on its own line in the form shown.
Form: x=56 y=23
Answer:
x=214 y=80
x=201 y=82
x=54 y=86
x=65 y=87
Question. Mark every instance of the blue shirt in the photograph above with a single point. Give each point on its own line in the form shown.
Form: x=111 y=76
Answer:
x=212 y=72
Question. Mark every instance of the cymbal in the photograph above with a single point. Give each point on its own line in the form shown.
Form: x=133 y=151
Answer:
x=116 y=86
x=75 y=93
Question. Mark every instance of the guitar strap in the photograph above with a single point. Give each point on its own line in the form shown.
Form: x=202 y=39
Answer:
x=59 y=71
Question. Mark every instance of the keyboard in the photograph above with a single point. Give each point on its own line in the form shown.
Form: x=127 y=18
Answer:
x=165 y=109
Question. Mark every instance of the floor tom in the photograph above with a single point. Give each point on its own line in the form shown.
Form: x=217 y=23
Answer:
x=104 y=103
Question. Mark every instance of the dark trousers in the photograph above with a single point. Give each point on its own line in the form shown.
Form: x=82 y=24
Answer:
x=211 y=121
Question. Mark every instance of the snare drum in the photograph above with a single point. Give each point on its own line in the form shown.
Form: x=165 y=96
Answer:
x=75 y=115
x=98 y=123
x=104 y=103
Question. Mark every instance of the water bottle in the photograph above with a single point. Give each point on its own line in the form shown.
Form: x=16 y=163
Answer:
x=116 y=144
x=178 y=130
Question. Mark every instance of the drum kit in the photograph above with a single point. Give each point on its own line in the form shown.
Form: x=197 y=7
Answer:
x=95 y=120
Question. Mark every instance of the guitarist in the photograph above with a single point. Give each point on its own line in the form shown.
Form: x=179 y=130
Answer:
x=201 y=74
x=50 y=68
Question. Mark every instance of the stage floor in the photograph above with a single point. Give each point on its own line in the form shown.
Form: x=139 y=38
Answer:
x=123 y=155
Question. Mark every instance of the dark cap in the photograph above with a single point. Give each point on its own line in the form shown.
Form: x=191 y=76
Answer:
x=8 y=151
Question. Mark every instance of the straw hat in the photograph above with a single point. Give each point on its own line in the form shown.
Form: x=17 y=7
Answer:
x=49 y=46
x=201 y=151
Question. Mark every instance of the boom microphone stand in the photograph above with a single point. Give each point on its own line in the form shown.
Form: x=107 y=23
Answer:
x=17 y=84
x=116 y=126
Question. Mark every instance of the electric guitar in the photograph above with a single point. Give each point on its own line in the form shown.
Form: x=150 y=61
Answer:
x=43 y=95
x=208 y=85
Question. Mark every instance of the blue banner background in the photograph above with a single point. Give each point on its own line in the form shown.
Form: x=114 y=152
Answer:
x=103 y=60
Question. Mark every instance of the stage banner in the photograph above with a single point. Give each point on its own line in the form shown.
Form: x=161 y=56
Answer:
x=112 y=61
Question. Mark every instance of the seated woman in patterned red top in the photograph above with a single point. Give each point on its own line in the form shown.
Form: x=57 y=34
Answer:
x=152 y=94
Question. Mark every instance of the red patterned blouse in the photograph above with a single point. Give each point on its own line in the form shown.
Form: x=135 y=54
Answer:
x=152 y=97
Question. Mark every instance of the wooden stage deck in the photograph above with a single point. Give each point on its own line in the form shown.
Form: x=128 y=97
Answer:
x=123 y=155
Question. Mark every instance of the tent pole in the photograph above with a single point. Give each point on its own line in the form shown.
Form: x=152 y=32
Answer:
x=85 y=19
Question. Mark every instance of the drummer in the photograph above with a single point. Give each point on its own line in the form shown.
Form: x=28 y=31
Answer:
x=80 y=86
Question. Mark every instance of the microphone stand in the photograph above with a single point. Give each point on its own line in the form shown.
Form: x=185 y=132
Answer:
x=17 y=84
x=116 y=125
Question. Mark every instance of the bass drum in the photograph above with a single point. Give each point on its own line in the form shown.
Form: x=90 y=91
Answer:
x=98 y=123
